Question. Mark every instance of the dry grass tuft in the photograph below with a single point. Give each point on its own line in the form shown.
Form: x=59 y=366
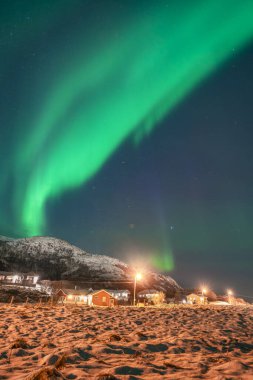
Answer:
x=115 y=337
x=19 y=343
x=46 y=373
x=61 y=361
x=106 y=376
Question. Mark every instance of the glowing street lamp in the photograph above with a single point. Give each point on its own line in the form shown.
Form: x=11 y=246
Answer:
x=137 y=277
x=203 y=292
x=230 y=296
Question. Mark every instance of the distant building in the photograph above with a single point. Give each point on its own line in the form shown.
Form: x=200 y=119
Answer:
x=147 y=294
x=73 y=296
x=10 y=278
x=86 y=297
x=119 y=294
x=30 y=278
x=150 y=297
x=24 y=279
x=196 y=299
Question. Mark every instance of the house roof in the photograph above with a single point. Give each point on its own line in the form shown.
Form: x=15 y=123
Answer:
x=148 y=291
x=75 y=292
x=2 y=273
x=100 y=290
x=118 y=290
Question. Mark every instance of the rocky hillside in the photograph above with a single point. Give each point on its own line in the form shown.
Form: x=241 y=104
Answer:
x=56 y=259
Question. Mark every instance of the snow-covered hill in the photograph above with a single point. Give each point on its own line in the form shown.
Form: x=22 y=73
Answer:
x=56 y=259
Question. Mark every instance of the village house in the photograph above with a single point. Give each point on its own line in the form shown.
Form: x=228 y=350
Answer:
x=10 y=278
x=86 y=297
x=147 y=293
x=73 y=296
x=150 y=296
x=121 y=295
x=101 y=298
x=30 y=278
x=24 y=279
x=196 y=299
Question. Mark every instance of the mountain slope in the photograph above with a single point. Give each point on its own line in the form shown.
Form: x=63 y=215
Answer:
x=56 y=259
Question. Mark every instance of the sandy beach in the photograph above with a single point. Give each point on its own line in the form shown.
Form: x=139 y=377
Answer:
x=183 y=342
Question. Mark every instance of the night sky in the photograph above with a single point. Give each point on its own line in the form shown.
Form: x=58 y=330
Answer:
x=126 y=129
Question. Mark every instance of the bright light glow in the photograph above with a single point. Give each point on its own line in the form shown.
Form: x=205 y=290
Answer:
x=138 y=276
x=204 y=290
x=230 y=293
x=70 y=296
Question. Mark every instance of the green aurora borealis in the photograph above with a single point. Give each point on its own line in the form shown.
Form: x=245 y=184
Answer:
x=100 y=85
x=127 y=85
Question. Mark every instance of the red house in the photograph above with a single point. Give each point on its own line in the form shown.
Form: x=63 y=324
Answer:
x=101 y=298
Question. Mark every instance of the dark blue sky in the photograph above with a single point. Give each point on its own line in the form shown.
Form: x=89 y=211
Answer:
x=189 y=183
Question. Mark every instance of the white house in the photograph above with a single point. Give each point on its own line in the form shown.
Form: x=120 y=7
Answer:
x=120 y=294
x=196 y=299
x=11 y=277
x=25 y=279
x=148 y=294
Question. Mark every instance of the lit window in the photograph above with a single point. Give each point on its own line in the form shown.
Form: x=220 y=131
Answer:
x=103 y=299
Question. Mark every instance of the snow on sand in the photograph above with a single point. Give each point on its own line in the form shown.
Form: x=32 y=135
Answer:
x=63 y=342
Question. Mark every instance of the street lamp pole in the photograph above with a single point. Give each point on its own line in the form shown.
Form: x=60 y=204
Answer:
x=137 y=276
x=134 y=290
x=230 y=296
x=203 y=295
